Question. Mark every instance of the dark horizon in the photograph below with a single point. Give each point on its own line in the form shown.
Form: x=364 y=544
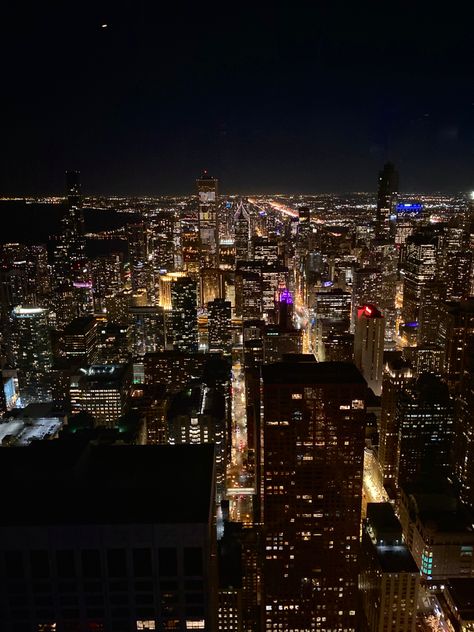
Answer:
x=226 y=191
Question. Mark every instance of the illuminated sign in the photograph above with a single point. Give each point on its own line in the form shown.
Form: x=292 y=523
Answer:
x=81 y=285
x=409 y=207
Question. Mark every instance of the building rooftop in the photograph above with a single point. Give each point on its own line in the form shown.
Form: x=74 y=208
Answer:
x=383 y=521
x=103 y=375
x=312 y=372
x=79 y=326
x=461 y=592
x=396 y=559
x=437 y=508
x=22 y=426
x=81 y=483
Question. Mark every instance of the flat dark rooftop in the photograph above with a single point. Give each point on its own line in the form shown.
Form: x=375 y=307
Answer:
x=396 y=559
x=80 y=483
x=383 y=520
x=79 y=326
x=312 y=373
x=461 y=591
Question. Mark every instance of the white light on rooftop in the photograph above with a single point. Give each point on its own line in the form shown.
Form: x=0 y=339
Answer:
x=28 y=310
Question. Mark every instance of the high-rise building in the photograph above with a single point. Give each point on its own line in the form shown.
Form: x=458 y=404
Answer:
x=304 y=224
x=386 y=201
x=106 y=276
x=81 y=340
x=460 y=375
x=437 y=529
x=425 y=423
x=103 y=391
x=126 y=540
x=366 y=288
x=211 y=285
x=184 y=314
x=31 y=352
x=190 y=250
x=419 y=266
x=207 y=219
x=147 y=329
x=140 y=258
x=273 y=277
x=369 y=344
x=332 y=313
x=70 y=245
x=219 y=325
x=197 y=415
x=248 y=295
x=312 y=444
x=265 y=250
x=242 y=232
x=175 y=369
x=397 y=374
x=389 y=578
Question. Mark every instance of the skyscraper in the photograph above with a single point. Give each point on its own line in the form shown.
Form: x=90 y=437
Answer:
x=32 y=353
x=207 y=219
x=397 y=375
x=70 y=246
x=312 y=443
x=386 y=201
x=368 y=345
x=219 y=325
x=147 y=329
x=184 y=314
x=419 y=266
x=242 y=232
x=366 y=288
x=389 y=578
x=425 y=423
x=126 y=540
x=81 y=340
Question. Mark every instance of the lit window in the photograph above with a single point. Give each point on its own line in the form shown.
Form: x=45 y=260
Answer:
x=146 y=625
x=195 y=625
x=296 y=396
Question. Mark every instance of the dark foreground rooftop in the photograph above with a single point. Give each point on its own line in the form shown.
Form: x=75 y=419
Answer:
x=81 y=483
x=312 y=373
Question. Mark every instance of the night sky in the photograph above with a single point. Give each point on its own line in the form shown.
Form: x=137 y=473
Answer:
x=298 y=97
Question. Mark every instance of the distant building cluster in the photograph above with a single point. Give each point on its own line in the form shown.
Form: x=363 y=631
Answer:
x=248 y=414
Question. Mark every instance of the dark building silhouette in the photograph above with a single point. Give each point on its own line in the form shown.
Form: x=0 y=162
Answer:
x=386 y=200
x=122 y=540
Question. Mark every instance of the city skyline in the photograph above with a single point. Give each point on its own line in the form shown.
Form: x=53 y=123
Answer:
x=237 y=317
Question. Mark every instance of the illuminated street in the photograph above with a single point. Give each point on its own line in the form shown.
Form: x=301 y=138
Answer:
x=239 y=482
x=430 y=616
x=373 y=490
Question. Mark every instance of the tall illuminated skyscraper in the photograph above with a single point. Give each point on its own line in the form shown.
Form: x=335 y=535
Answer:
x=31 y=351
x=70 y=246
x=397 y=375
x=419 y=266
x=386 y=201
x=368 y=345
x=242 y=233
x=207 y=219
x=219 y=325
x=184 y=314
x=312 y=445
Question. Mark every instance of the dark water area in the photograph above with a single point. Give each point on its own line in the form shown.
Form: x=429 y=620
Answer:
x=36 y=223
